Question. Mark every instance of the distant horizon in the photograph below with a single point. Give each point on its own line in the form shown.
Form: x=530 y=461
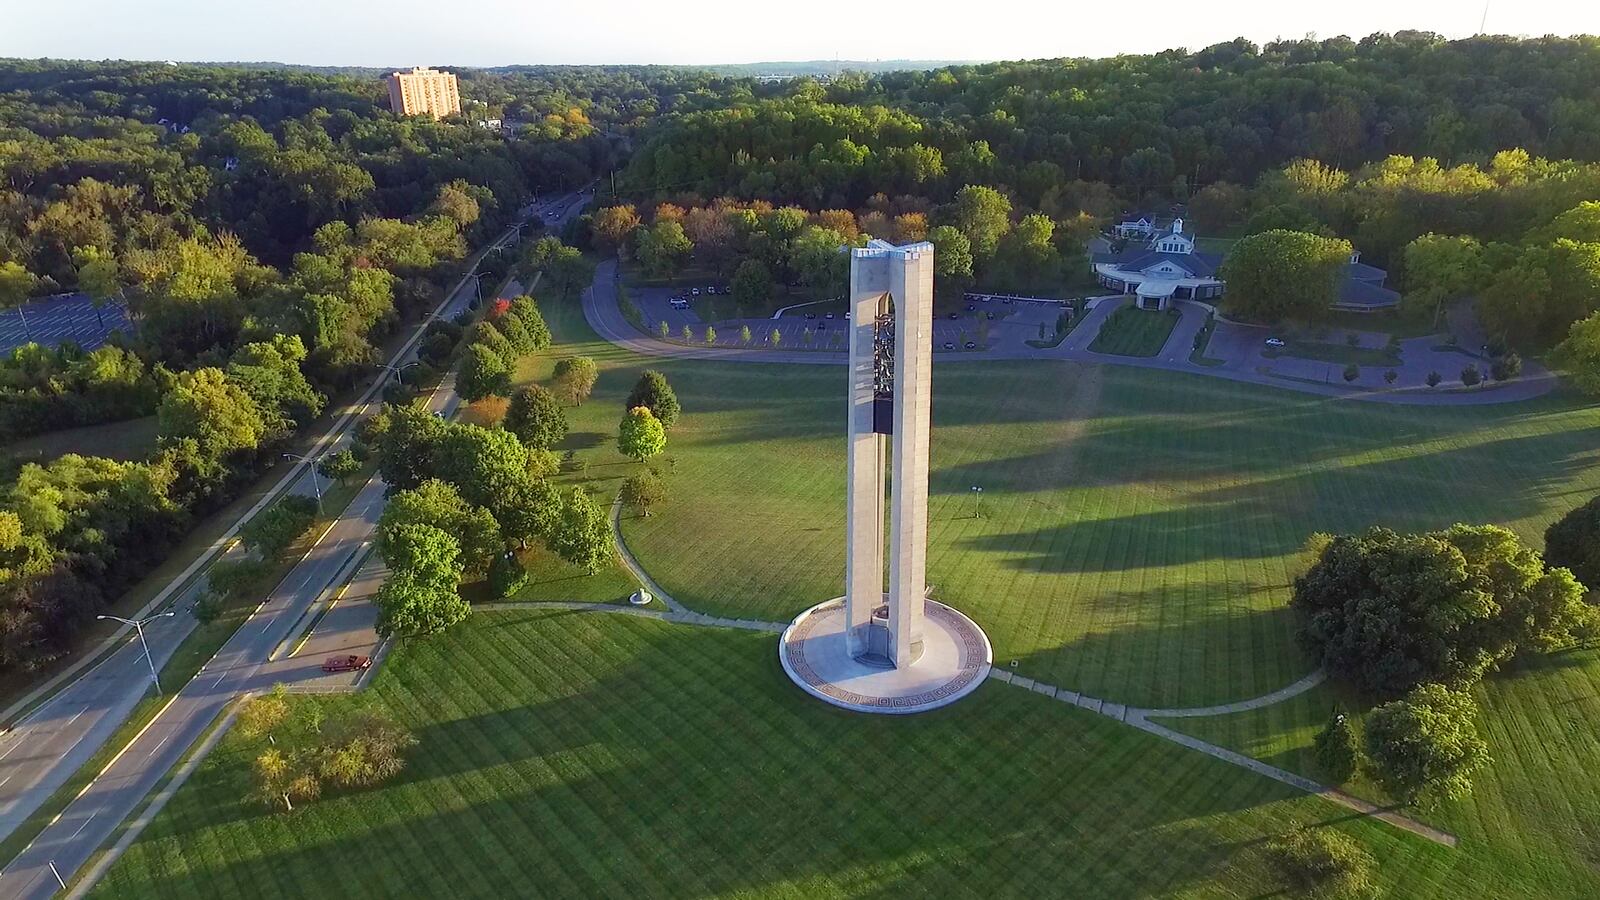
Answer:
x=484 y=34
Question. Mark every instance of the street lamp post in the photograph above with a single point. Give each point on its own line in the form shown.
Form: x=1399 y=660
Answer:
x=316 y=484
x=396 y=370
x=138 y=625
x=977 y=501
x=477 y=287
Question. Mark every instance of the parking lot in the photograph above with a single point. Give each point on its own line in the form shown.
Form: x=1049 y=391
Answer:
x=66 y=317
x=822 y=326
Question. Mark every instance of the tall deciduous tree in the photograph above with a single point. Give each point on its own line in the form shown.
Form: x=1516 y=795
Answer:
x=439 y=504
x=535 y=417
x=581 y=534
x=483 y=373
x=1579 y=354
x=654 y=393
x=574 y=378
x=1573 y=541
x=1388 y=611
x=983 y=215
x=1442 y=267
x=1282 y=274
x=663 y=248
x=1425 y=748
x=421 y=594
x=640 y=435
x=752 y=283
x=952 y=253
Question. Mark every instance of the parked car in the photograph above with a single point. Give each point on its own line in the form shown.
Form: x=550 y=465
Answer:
x=350 y=663
x=828 y=316
x=955 y=315
x=1275 y=343
x=988 y=314
x=811 y=315
x=972 y=345
x=695 y=292
x=949 y=345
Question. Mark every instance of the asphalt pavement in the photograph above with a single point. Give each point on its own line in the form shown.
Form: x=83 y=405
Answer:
x=44 y=750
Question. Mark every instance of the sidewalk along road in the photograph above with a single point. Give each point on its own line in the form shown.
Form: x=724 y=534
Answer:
x=53 y=741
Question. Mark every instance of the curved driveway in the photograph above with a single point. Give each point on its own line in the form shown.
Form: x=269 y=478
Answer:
x=605 y=317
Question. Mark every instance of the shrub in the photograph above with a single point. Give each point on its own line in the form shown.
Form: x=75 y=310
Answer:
x=1434 y=378
x=1471 y=376
x=1336 y=749
x=1352 y=372
x=1323 y=863
x=1505 y=367
x=506 y=576
x=1390 y=376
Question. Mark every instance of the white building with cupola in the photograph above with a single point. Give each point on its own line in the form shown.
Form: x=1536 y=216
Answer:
x=1160 y=268
x=1159 y=264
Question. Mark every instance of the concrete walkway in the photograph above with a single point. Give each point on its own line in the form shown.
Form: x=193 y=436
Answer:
x=1139 y=719
x=1277 y=696
x=605 y=317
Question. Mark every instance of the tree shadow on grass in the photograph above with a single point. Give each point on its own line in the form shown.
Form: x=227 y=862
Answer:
x=696 y=768
x=1270 y=518
x=1184 y=657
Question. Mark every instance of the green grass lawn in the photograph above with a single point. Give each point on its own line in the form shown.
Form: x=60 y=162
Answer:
x=575 y=754
x=1135 y=332
x=1535 y=810
x=126 y=440
x=1140 y=529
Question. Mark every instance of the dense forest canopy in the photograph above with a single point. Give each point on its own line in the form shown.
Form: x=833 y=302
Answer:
x=1165 y=124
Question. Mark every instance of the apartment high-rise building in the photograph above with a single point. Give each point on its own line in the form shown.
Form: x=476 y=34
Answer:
x=424 y=91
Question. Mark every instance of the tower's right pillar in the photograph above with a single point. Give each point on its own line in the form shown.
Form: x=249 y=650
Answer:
x=911 y=286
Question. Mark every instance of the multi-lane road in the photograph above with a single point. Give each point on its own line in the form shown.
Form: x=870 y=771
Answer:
x=43 y=751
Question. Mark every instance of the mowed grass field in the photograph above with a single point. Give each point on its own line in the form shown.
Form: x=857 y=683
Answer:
x=592 y=755
x=1535 y=810
x=1135 y=332
x=1139 y=530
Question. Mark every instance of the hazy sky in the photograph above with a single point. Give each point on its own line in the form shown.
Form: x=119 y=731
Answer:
x=498 y=32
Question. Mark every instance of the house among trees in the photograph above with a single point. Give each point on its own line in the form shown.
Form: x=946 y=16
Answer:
x=1160 y=264
x=1159 y=268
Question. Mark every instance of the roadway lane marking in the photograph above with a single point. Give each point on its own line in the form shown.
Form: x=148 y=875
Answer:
x=152 y=752
x=86 y=823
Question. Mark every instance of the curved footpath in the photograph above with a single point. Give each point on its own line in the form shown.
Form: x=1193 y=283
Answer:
x=604 y=315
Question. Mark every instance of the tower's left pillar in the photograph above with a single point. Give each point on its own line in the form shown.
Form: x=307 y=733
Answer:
x=864 y=467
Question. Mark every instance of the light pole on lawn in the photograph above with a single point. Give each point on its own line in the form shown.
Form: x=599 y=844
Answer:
x=316 y=484
x=138 y=626
x=977 y=501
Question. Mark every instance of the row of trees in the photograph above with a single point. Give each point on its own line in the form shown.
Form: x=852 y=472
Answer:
x=766 y=247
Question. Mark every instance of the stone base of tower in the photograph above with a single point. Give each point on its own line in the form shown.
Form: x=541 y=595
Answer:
x=955 y=659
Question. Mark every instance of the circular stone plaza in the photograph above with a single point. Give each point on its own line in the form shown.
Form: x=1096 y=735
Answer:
x=952 y=661
x=873 y=651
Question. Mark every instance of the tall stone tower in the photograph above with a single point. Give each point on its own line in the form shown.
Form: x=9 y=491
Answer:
x=894 y=650
x=891 y=357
